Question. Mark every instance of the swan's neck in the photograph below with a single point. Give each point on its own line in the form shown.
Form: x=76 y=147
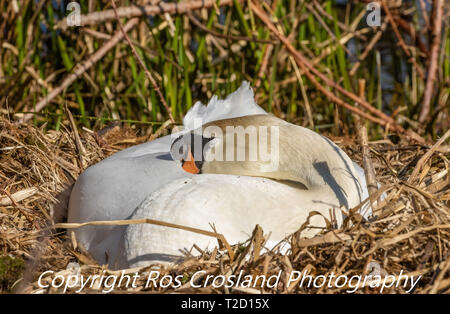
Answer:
x=303 y=156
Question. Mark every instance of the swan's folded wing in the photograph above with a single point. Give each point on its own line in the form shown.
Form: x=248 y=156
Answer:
x=112 y=189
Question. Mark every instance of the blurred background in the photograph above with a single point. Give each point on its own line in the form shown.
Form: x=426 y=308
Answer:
x=210 y=51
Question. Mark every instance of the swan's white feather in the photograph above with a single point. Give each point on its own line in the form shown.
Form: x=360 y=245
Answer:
x=199 y=202
x=238 y=104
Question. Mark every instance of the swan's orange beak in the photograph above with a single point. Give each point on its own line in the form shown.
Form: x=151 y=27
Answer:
x=189 y=164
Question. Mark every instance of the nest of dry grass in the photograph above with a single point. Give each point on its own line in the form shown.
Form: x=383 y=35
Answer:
x=409 y=232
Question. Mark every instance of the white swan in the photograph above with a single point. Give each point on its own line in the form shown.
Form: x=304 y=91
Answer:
x=145 y=182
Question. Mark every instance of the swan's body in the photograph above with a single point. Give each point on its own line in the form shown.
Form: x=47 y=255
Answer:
x=200 y=200
x=144 y=182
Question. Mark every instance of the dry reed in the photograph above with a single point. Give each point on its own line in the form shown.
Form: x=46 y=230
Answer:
x=409 y=231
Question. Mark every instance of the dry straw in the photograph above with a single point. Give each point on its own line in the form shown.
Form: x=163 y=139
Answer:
x=409 y=230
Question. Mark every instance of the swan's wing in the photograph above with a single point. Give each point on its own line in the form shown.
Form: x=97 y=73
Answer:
x=160 y=145
x=113 y=188
x=205 y=199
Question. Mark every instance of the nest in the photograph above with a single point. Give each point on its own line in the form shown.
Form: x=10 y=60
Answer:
x=408 y=234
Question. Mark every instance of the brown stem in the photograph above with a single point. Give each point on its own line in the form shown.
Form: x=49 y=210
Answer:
x=401 y=42
x=135 y=11
x=344 y=27
x=368 y=49
x=424 y=14
x=406 y=27
x=80 y=69
x=79 y=145
x=423 y=160
x=369 y=170
x=265 y=60
x=395 y=28
x=434 y=55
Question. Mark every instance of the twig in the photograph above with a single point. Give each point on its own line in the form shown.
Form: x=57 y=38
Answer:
x=148 y=10
x=265 y=60
x=330 y=237
x=369 y=170
x=151 y=52
x=18 y=196
x=22 y=210
x=138 y=58
x=80 y=69
x=80 y=148
x=368 y=49
x=340 y=24
x=434 y=55
x=406 y=27
x=320 y=20
x=401 y=42
x=301 y=61
x=423 y=10
x=427 y=156
x=306 y=66
x=126 y=222
x=333 y=37
x=442 y=272
x=385 y=242
x=230 y=37
x=327 y=50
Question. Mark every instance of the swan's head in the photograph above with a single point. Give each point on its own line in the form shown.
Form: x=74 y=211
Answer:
x=231 y=146
x=189 y=149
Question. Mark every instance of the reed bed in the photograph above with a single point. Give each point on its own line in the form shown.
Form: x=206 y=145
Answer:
x=409 y=231
x=194 y=54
